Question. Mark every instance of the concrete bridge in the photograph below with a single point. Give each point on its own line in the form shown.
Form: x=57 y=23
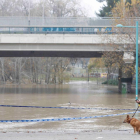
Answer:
x=24 y=40
x=55 y=45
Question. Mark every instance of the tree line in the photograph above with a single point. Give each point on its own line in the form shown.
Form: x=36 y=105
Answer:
x=124 y=12
x=35 y=70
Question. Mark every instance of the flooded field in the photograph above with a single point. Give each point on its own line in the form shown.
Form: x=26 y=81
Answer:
x=75 y=94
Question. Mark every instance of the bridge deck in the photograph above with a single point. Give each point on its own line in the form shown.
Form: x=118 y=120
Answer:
x=54 y=45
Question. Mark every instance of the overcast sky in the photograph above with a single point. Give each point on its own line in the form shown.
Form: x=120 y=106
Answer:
x=92 y=6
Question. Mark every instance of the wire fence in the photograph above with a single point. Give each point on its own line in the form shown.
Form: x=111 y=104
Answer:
x=46 y=21
x=61 y=21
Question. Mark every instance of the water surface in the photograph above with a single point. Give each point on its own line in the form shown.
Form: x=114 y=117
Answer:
x=79 y=94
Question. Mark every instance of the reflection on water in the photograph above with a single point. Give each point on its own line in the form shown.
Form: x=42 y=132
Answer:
x=80 y=94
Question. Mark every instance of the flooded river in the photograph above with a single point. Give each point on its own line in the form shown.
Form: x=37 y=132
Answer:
x=79 y=94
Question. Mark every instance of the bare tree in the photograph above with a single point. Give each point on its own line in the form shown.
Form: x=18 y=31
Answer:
x=49 y=8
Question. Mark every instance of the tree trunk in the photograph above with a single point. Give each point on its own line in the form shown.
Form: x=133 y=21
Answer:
x=3 y=73
x=47 y=75
x=119 y=80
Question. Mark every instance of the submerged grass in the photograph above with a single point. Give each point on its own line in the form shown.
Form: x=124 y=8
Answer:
x=84 y=79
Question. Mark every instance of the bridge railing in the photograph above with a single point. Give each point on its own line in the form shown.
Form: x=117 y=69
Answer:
x=71 y=25
x=62 y=30
x=54 y=30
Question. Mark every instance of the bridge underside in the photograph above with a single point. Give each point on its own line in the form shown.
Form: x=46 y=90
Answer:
x=86 y=54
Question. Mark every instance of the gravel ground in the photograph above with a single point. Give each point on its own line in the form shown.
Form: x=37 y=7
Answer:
x=86 y=135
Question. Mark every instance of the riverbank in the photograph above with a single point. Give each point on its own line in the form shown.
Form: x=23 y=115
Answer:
x=71 y=135
x=71 y=79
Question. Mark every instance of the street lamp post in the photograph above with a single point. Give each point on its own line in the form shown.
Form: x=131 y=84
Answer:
x=29 y=11
x=119 y=25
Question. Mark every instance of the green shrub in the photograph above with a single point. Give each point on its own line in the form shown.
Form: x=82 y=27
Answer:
x=111 y=82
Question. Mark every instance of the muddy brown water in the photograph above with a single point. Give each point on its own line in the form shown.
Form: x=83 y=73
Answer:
x=80 y=94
